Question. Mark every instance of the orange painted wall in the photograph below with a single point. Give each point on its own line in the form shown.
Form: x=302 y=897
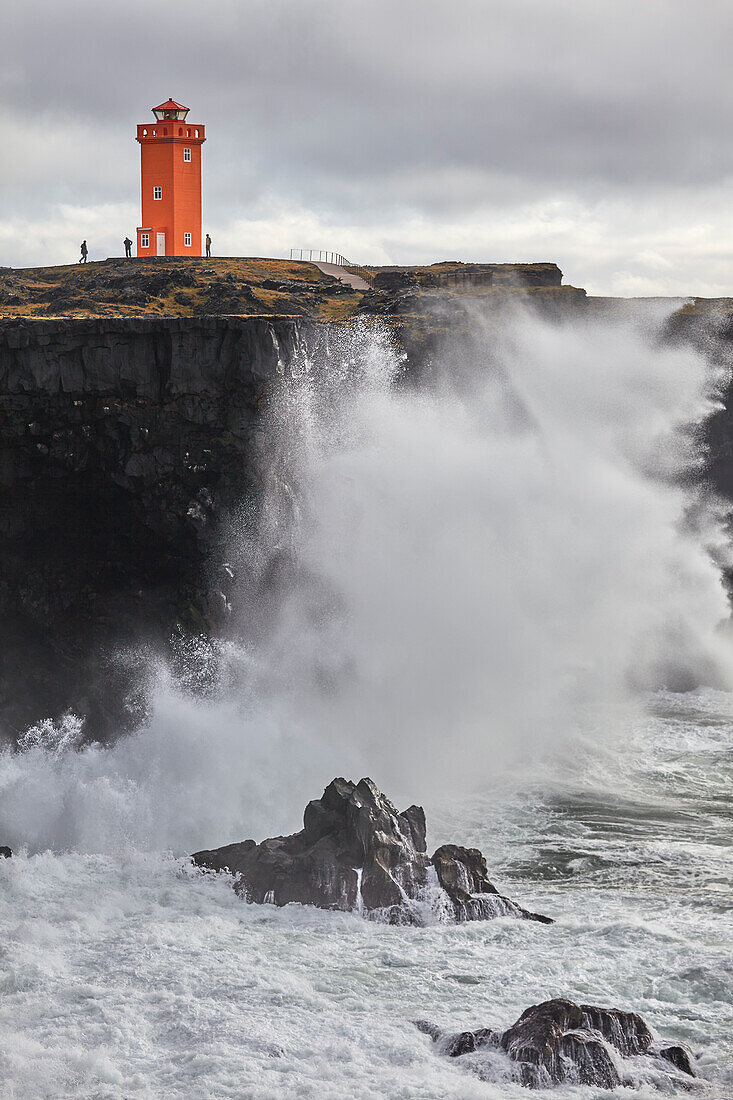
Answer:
x=162 y=165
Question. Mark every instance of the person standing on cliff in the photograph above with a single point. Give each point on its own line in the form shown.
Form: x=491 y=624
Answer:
x=128 y=248
x=84 y=253
x=208 y=247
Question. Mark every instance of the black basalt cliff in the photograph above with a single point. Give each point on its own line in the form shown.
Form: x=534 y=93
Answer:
x=121 y=443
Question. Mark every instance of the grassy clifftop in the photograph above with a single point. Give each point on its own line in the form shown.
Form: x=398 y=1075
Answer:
x=455 y=273
x=244 y=287
x=174 y=286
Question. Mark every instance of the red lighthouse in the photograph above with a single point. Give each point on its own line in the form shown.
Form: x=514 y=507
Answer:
x=170 y=174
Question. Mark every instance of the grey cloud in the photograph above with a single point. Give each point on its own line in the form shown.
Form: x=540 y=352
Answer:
x=368 y=113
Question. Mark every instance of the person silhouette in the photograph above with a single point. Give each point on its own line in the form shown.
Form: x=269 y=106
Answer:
x=128 y=247
x=84 y=253
x=208 y=247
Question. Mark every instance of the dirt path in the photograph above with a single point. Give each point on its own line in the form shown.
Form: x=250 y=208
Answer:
x=343 y=275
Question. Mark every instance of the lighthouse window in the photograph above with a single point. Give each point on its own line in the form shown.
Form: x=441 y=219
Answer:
x=145 y=240
x=157 y=192
x=187 y=239
x=186 y=154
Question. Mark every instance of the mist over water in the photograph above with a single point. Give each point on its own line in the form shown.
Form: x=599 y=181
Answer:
x=441 y=584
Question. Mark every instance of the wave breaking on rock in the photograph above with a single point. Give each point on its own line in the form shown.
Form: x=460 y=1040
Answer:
x=560 y=1042
x=355 y=852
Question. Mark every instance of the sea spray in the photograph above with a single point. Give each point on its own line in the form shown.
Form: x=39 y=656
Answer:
x=438 y=581
x=448 y=569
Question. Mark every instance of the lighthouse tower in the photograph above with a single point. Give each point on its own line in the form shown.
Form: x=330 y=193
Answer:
x=170 y=174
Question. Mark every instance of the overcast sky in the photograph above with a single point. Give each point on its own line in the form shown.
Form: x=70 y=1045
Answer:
x=597 y=134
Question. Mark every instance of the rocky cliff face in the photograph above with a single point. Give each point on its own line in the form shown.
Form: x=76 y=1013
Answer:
x=122 y=441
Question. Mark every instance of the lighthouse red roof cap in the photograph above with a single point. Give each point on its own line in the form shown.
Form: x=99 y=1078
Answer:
x=170 y=105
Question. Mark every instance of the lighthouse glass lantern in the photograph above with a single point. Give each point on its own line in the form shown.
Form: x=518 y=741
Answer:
x=170 y=110
x=170 y=179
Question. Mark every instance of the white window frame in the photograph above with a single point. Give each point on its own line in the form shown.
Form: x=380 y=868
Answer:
x=157 y=193
x=187 y=155
x=187 y=240
x=145 y=240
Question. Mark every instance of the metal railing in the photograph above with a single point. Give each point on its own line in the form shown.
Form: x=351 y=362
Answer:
x=367 y=276
x=312 y=254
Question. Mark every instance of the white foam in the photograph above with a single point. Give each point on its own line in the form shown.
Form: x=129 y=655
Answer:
x=135 y=975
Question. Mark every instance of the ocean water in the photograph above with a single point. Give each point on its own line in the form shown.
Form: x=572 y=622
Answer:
x=134 y=975
x=486 y=594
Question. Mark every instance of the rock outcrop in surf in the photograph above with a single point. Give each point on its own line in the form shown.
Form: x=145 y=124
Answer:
x=356 y=852
x=560 y=1042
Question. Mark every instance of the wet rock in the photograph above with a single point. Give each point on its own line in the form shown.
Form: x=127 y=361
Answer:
x=356 y=851
x=5 y=852
x=468 y=1042
x=680 y=1057
x=462 y=1042
x=462 y=871
x=560 y=1042
x=463 y=874
x=552 y=1044
x=626 y=1031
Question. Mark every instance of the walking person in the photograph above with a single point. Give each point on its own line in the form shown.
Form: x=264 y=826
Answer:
x=208 y=247
x=128 y=248
x=84 y=253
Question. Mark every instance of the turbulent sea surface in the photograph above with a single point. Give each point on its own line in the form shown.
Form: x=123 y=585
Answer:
x=479 y=593
x=134 y=976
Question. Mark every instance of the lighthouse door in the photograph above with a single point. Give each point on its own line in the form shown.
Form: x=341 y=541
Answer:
x=161 y=243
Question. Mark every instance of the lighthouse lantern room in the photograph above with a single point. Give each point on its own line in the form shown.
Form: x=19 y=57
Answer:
x=170 y=175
